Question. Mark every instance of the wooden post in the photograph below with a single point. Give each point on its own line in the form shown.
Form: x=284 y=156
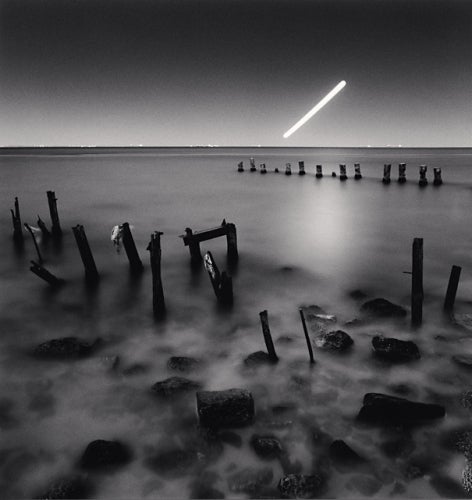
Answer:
x=307 y=337
x=319 y=171
x=342 y=172
x=288 y=169
x=437 y=176
x=222 y=283
x=154 y=247
x=386 y=176
x=232 y=242
x=402 y=173
x=253 y=165
x=276 y=170
x=423 y=180
x=128 y=242
x=417 y=283
x=44 y=230
x=194 y=247
x=263 y=168
x=267 y=336
x=240 y=167
x=45 y=274
x=16 y=220
x=56 y=227
x=301 y=168
x=91 y=273
x=452 y=288
x=333 y=174
x=30 y=230
x=357 y=171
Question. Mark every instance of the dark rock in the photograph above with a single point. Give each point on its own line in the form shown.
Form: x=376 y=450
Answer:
x=67 y=487
x=250 y=480
x=266 y=447
x=173 y=386
x=301 y=486
x=173 y=463
x=381 y=408
x=229 y=408
x=183 y=364
x=383 y=308
x=257 y=358
x=334 y=341
x=365 y=485
x=66 y=347
x=231 y=438
x=447 y=487
x=464 y=360
x=467 y=478
x=344 y=456
x=394 y=349
x=104 y=454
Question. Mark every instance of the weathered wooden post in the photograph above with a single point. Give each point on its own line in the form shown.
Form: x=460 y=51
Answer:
x=452 y=288
x=56 y=227
x=194 y=247
x=231 y=241
x=357 y=171
x=319 y=171
x=130 y=248
x=45 y=274
x=253 y=165
x=437 y=176
x=33 y=237
x=423 y=180
x=91 y=273
x=263 y=168
x=417 y=283
x=240 y=167
x=276 y=170
x=44 y=230
x=342 y=172
x=386 y=176
x=301 y=168
x=307 y=337
x=267 y=336
x=402 y=173
x=222 y=283
x=16 y=220
x=154 y=247
x=288 y=169
x=333 y=174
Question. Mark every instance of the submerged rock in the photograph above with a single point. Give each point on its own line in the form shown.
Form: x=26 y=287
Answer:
x=104 y=454
x=394 y=349
x=65 y=347
x=183 y=364
x=343 y=455
x=250 y=480
x=301 y=486
x=257 y=358
x=229 y=408
x=381 y=408
x=173 y=386
x=67 y=487
x=383 y=308
x=266 y=447
x=334 y=341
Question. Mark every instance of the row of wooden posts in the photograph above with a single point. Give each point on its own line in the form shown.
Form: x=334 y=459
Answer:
x=423 y=181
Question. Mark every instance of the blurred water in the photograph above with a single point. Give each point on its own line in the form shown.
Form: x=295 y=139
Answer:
x=301 y=241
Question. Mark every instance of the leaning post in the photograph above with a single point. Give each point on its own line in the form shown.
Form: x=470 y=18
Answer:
x=267 y=336
x=130 y=247
x=452 y=288
x=91 y=273
x=417 y=283
x=307 y=337
x=33 y=237
x=16 y=220
x=56 y=226
x=154 y=247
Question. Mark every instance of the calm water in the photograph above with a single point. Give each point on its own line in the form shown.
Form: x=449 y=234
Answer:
x=301 y=241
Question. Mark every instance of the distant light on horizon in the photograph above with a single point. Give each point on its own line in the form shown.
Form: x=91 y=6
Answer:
x=315 y=109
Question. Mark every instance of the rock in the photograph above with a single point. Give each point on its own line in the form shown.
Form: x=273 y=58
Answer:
x=394 y=349
x=365 y=485
x=383 y=308
x=173 y=386
x=183 y=364
x=464 y=360
x=229 y=408
x=334 y=341
x=381 y=408
x=104 y=454
x=344 y=456
x=266 y=447
x=67 y=487
x=231 y=438
x=447 y=487
x=173 y=463
x=301 y=486
x=257 y=358
x=466 y=399
x=250 y=480
x=65 y=347
x=467 y=478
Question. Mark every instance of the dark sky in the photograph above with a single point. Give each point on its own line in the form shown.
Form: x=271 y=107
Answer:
x=235 y=72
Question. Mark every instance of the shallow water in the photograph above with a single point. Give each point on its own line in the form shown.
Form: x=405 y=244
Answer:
x=301 y=241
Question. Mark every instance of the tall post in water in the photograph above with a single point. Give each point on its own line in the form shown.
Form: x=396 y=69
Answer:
x=194 y=246
x=386 y=176
x=319 y=171
x=307 y=337
x=91 y=273
x=401 y=173
x=240 y=167
x=301 y=168
x=342 y=172
x=452 y=288
x=263 y=168
x=423 y=180
x=232 y=242
x=417 y=283
x=252 y=162
x=154 y=247
x=357 y=171
x=288 y=169
x=437 y=176
x=16 y=220
x=56 y=226
x=130 y=247
x=267 y=336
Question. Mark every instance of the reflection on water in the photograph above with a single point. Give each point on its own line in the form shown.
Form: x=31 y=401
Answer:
x=301 y=241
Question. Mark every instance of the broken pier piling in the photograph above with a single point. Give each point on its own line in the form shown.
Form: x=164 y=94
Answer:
x=16 y=220
x=154 y=247
x=56 y=226
x=33 y=237
x=267 y=336
x=221 y=282
x=91 y=272
x=307 y=336
x=417 y=283
x=386 y=174
x=44 y=274
x=130 y=248
x=452 y=288
x=401 y=173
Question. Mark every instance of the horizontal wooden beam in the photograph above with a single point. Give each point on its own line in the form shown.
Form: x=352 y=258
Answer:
x=207 y=234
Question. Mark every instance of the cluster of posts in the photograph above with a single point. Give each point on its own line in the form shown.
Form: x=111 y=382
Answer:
x=423 y=181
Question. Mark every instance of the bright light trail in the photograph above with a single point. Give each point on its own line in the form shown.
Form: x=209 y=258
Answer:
x=315 y=109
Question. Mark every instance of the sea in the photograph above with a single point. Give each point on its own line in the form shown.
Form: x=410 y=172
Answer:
x=302 y=241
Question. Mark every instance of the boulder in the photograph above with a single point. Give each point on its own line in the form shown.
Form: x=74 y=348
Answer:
x=65 y=347
x=301 y=486
x=229 y=408
x=173 y=386
x=334 y=341
x=343 y=456
x=257 y=358
x=395 y=350
x=104 y=454
x=383 y=308
x=266 y=447
x=183 y=364
x=381 y=408
x=250 y=480
x=67 y=487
